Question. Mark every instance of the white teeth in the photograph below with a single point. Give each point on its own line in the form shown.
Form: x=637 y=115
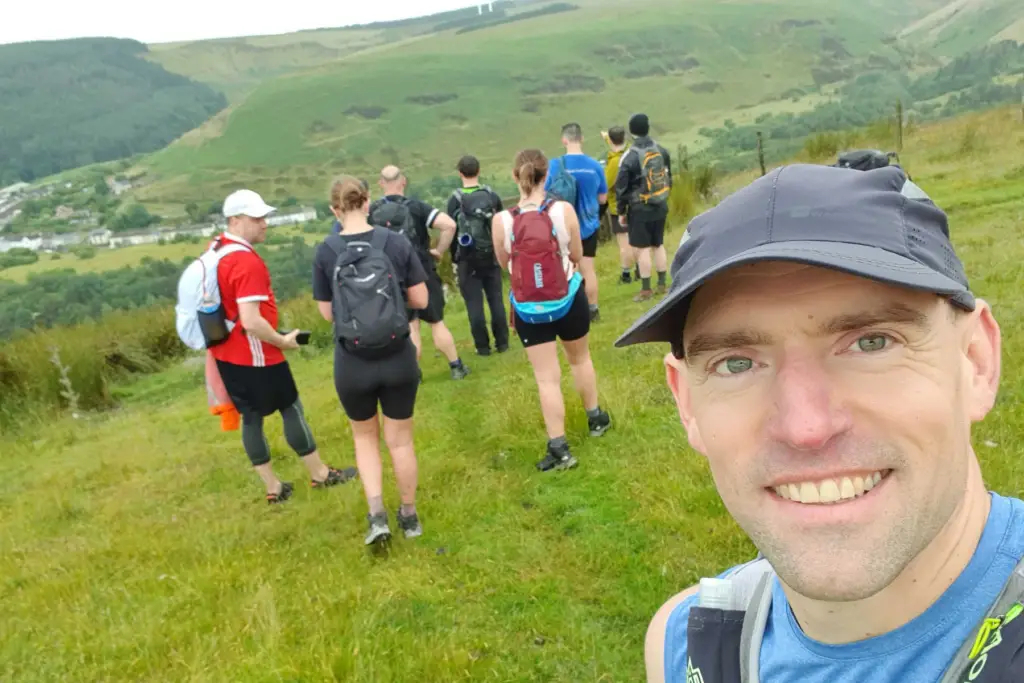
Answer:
x=828 y=491
x=809 y=493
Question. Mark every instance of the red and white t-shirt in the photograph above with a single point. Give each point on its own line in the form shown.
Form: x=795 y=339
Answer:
x=243 y=276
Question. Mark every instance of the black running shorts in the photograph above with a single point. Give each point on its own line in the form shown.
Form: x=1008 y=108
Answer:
x=647 y=227
x=259 y=391
x=575 y=324
x=390 y=383
x=434 y=312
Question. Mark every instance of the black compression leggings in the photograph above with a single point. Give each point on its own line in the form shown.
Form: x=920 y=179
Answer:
x=296 y=433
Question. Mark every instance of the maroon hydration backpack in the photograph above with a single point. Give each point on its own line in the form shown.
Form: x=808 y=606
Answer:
x=537 y=271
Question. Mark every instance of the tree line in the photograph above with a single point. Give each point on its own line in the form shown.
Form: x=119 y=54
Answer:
x=66 y=297
x=70 y=103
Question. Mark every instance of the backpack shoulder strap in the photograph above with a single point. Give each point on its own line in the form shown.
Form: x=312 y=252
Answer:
x=335 y=244
x=974 y=646
x=379 y=238
x=751 y=586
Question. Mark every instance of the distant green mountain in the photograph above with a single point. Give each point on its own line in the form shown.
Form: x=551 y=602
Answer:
x=69 y=103
x=424 y=100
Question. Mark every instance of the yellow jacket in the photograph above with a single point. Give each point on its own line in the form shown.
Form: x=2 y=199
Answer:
x=611 y=172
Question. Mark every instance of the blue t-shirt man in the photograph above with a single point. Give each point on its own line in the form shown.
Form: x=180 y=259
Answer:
x=590 y=182
x=917 y=651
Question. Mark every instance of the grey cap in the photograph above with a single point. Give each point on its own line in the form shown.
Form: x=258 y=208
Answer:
x=876 y=224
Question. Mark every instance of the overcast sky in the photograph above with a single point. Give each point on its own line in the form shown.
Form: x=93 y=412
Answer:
x=174 y=20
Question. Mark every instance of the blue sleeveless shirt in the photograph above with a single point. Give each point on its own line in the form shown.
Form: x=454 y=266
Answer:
x=918 y=651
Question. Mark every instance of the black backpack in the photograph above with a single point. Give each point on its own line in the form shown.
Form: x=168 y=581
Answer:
x=366 y=295
x=395 y=215
x=473 y=224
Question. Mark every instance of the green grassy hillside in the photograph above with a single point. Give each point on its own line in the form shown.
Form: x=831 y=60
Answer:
x=136 y=545
x=423 y=103
x=961 y=25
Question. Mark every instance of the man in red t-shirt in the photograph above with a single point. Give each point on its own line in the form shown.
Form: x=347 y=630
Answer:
x=251 y=361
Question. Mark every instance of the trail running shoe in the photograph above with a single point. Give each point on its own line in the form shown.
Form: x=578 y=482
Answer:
x=410 y=525
x=460 y=371
x=283 y=495
x=558 y=458
x=599 y=424
x=379 y=531
x=335 y=477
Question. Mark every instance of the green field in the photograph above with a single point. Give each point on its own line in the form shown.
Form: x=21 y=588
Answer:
x=423 y=103
x=138 y=547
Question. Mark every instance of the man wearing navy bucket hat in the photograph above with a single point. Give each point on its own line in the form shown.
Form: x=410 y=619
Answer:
x=828 y=358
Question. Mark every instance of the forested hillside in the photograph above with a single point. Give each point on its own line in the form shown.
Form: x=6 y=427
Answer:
x=69 y=103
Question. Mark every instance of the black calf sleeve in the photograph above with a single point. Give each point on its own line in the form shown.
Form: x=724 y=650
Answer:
x=296 y=430
x=254 y=440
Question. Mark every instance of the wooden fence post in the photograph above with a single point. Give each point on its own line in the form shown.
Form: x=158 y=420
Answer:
x=899 y=126
x=760 y=153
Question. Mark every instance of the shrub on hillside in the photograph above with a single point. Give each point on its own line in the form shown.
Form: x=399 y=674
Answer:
x=94 y=353
x=17 y=257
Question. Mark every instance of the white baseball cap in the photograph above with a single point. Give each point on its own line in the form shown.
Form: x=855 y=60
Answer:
x=246 y=203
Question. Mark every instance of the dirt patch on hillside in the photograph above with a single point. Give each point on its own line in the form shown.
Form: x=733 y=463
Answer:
x=706 y=86
x=211 y=129
x=431 y=99
x=370 y=112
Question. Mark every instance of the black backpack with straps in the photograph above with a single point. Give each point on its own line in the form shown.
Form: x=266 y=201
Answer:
x=366 y=295
x=724 y=645
x=394 y=214
x=473 y=224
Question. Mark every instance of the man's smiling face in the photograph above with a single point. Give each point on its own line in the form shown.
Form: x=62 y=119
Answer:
x=835 y=413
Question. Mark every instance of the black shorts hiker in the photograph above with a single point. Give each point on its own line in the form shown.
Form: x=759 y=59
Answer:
x=434 y=312
x=575 y=324
x=647 y=226
x=259 y=391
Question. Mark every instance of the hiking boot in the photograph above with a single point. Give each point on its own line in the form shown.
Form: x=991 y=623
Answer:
x=644 y=295
x=502 y=349
x=599 y=424
x=483 y=352
x=626 y=278
x=557 y=458
x=379 y=531
x=410 y=525
x=460 y=371
x=335 y=477
x=283 y=495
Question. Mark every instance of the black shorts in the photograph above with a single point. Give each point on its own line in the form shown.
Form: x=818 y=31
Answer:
x=647 y=227
x=364 y=384
x=434 y=312
x=590 y=246
x=575 y=324
x=259 y=391
x=617 y=228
